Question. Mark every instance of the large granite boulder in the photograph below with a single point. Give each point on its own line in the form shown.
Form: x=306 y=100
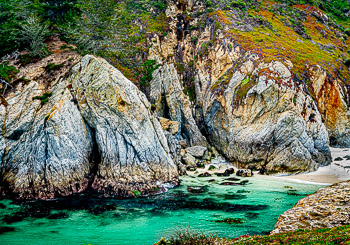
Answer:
x=170 y=101
x=130 y=139
x=274 y=125
x=90 y=129
x=48 y=147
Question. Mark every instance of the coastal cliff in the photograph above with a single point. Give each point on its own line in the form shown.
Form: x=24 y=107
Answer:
x=244 y=81
x=259 y=109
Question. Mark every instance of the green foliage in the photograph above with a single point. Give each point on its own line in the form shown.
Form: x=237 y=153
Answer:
x=7 y=73
x=43 y=98
x=191 y=92
x=337 y=8
x=53 y=67
x=189 y=237
x=33 y=32
x=245 y=81
x=137 y=193
x=148 y=67
x=101 y=27
x=12 y=14
x=16 y=19
x=337 y=235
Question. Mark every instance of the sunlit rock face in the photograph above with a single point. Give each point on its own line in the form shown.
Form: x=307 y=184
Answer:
x=327 y=208
x=257 y=112
x=93 y=129
x=130 y=139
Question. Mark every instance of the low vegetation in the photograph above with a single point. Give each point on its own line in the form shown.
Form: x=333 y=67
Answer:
x=337 y=235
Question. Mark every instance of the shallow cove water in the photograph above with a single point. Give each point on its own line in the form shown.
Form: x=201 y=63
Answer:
x=84 y=220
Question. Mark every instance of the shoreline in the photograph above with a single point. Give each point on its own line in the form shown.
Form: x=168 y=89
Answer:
x=337 y=171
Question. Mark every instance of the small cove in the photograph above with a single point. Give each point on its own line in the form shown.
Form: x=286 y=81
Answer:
x=85 y=220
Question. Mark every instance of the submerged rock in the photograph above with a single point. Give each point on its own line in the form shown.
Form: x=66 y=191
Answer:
x=230 y=221
x=230 y=183
x=229 y=171
x=5 y=229
x=232 y=179
x=206 y=174
x=196 y=189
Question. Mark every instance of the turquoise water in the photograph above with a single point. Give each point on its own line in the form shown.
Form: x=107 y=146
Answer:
x=83 y=220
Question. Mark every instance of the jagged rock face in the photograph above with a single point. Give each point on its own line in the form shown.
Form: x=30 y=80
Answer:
x=48 y=147
x=332 y=101
x=168 y=97
x=257 y=114
x=96 y=131
x=329 y=207
x=275 y=127
x=133 y=148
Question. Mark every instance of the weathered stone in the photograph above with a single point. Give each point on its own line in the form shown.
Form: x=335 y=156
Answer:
x=175 y=152
x=48 y=147
x=183 y=143
x=244 y=172
x=229 y=183
x=328 y=207
x=167 y=94
x=196 y=151
x=171 y=126
x=95 y=130
x=189 y=159
x=196 y=189
x=254 y=113
x=230 y=171
x=206 y=174
x=133 y=148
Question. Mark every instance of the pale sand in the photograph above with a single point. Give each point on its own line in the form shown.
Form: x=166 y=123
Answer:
x=336 y=172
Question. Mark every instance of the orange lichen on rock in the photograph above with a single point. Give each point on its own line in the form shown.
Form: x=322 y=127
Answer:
x=329 y=103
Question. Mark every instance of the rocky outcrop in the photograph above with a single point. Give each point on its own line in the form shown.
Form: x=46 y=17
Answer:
x=48 y=147
x=133 y=148
x=329 y=207
x=332 y=102
x=170 y=102
x=276 y=126
x=90 y=129
x=258 y=112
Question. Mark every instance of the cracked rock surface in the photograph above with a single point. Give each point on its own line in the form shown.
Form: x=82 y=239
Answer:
x=95 y=131
x=328 y=207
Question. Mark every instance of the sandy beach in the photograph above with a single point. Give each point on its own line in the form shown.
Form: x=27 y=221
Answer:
x=337 y=171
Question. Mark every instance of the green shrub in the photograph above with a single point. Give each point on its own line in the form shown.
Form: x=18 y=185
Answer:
x=33 y=32
x=7 y=73
x=43 y=98
x=53 y=67
x=148 y=67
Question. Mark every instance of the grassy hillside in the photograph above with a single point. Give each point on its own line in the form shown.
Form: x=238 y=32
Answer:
x=119 y=31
